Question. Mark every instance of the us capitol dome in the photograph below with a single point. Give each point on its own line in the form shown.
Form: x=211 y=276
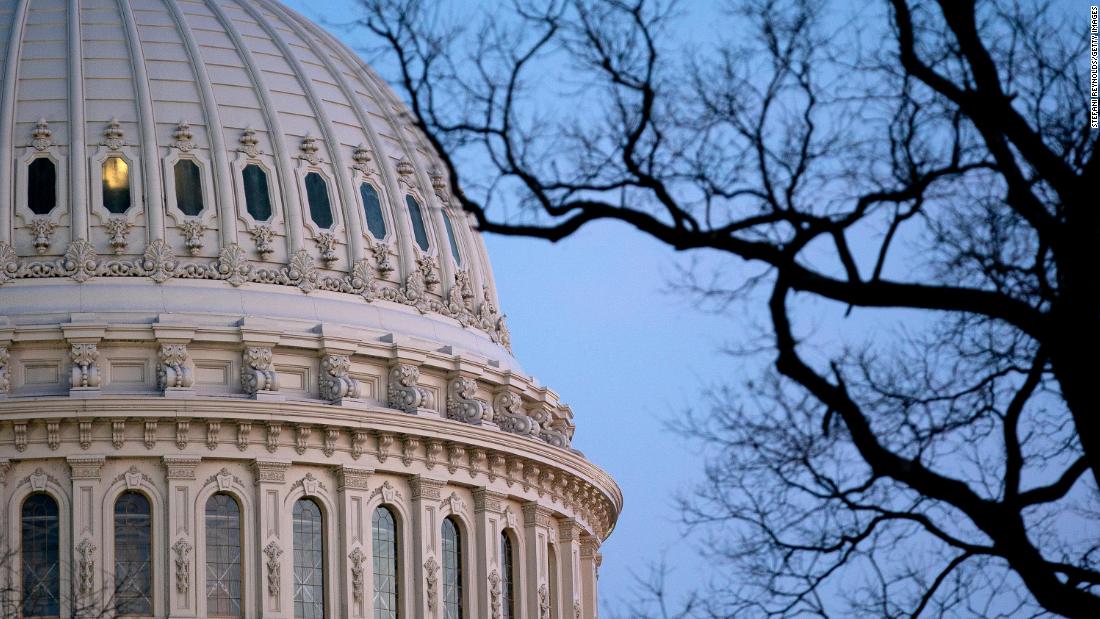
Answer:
x=252 y=357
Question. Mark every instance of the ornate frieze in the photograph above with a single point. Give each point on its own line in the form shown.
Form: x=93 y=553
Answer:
x=403 y=392
x=487 y=500
x=462 y=405
x=510 y=415
x=351 y=478
x=336 y=382
x=388 y=493
x=424 y=488
x=258 y=374
x=81 y=263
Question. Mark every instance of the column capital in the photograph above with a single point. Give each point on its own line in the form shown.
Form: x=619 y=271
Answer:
x=425 y=487
x=180 y=467
x=569 y=530
x=270 y=471
x=85 y=467
x=352 y=477
x=535 y=515
x=487 y=500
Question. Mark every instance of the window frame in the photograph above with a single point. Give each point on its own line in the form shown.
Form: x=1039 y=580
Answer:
x=326 y=555
x=429 y=231
x=398 y=563
x=152 y=565
x=387 y=219
x=462 y=567
x=22 y=505
x=138 y=202
x=241 y=552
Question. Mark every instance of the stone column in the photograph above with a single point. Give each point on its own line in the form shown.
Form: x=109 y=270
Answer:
x=590 y=555
x=486 y=545
x=184 y=583
x=427 y=598
x=88 y=579
x=569 y=560
x=274 y=557
x=354 y=548
x=536 y=533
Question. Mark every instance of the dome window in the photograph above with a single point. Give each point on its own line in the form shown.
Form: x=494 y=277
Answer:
x=372 y=207
x=384 y=538
x=417 y=218
x=41 y=557
x=451 y=239
x=116 y=185
x=41 y=186
x=256 y=197
x=452 y=570
x=320 y=209
x=188 y=187
x=309 y=561
x=133 y=555
x=223 y=556
x=507 y=578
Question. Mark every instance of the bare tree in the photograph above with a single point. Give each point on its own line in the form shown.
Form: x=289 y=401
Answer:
x=922 y=166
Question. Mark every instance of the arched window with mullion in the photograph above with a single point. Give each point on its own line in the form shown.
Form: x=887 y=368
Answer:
x=133 y=555
x=309 y=560
x=386 y=574
x=41 y=557
x=507 y=577
x=223 y=556
x=452 y=570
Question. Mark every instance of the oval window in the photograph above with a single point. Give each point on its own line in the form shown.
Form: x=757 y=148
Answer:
x=188 y=187
x=116 y=185
x=41 y=186
x=320 y=210
x=256 y=198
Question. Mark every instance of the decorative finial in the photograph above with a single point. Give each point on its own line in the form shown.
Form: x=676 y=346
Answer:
x=183 y=136
x=249 y=143
x=43 y=137
x=309 y=149
x=114 y=135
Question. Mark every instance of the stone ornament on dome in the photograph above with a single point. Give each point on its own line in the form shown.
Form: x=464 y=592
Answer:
x=118 y=232
x=326 y=243
x=41 y=136
x=192 y=230
x=406 y=173
x=362 y=156
x=310 y=150
x=42 y=229
x=113 y=135
x=182 y=137
x=250 y=144
x=263 y=236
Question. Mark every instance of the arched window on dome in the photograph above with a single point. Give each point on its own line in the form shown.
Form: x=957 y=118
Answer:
x=41 y=186
x=309 y=560
x=552 y=571
x=372 y=208
x=384 y=544
x=133 y=555
x=417 y=217
x=320 y=208
x=188 y=187
x=507 y=577
x=116 y=185
x=223 y=556
x=451 y=238
x=41 y=557
x=452 y=570
x=257 y=197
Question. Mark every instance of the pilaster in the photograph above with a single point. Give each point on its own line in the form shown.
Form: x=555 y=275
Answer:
x=183 y=585
x=590 y=554
x=427 y=596
x=537 y=521
x=569 y=560
x=87 y=558
x=274 y=543
x=354 y=545
x=486 y=547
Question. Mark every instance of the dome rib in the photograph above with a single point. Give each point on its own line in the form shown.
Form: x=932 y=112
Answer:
x=223 y=185
x=289 y=188
x=154 y=191
x=354 y=236
x=7 y=112
x=78 y=170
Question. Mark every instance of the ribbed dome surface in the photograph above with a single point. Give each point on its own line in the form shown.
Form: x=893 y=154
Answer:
x=205 y=113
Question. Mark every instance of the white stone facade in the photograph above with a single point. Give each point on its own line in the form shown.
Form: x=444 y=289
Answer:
x=177 y=341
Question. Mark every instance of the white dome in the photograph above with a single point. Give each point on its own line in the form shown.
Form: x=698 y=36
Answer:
x=226 y=86
x=230 y=279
